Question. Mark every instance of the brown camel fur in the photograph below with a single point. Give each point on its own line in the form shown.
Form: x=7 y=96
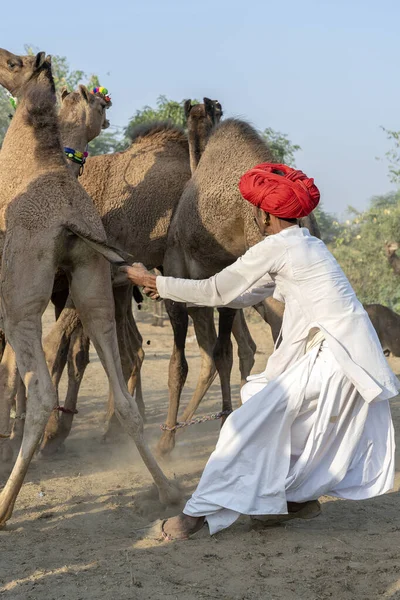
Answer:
x=82 y=117
x=48 y=221
x=211 y=227
x=387 y=325
x=135 y=193
x=200 y=118
x=394 y=260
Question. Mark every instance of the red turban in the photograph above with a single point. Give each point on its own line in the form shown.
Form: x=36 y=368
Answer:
x=289 y=196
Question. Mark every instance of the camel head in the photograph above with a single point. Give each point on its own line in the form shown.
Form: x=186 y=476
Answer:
x=203 y=116
x=16 y=71
x=82 y=108
x=390 y=248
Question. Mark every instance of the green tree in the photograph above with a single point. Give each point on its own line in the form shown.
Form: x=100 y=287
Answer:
x=359 y=248
x=165 y=110
x=5 y=110
x=393 y=155
x=282 y=148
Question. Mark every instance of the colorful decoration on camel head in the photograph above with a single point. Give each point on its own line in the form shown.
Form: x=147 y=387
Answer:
x=103 y=91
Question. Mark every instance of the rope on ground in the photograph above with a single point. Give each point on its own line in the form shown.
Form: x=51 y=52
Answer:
x=196 y=421
x=5 y=436
x=67 y=411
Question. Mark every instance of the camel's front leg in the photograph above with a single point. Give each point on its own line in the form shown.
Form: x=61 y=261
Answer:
x=223 y=356
x=203 y=321
x=246 y=346
x=271 y=311
x=178 y=370
x=96 y=307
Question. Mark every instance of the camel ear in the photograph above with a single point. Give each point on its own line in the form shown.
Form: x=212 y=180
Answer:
x=218 y=110
x=85 y=93
x=64 y=93
x=39 y=60
x=209 y=108
x=187 y=106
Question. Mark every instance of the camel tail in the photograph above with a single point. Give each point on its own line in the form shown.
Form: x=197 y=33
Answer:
x=115 y=256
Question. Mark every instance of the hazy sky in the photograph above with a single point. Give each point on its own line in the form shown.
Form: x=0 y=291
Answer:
x=326 y=72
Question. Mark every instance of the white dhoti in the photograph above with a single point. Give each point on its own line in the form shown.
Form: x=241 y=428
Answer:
x=305 y=434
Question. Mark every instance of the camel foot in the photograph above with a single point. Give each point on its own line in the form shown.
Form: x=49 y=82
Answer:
x=170 y=495
x=113 y=429
x=165 y=445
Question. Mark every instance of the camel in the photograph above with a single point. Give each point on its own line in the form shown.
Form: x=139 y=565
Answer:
x=387 y=325
x=48 y=221
x=135 y=193
x=394 y=260
x=81 y=119
x=200 y=119
x=211 y=227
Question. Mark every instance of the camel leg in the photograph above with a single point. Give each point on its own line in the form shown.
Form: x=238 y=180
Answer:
x=203 y=321
x=8 y=386
x=26 y=291
x=59 y=299
x=96 y=308
x=135 y=380
x=57 y=350
x=20 y=412
x=178 y=370
x=223 y=355
x=246 y=346
x=131 y=352
x=271 y=311
x=60 y=423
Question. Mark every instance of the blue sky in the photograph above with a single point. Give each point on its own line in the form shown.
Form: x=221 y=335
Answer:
x=326 y=72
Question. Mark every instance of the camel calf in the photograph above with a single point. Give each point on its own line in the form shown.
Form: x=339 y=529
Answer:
x=48 y=221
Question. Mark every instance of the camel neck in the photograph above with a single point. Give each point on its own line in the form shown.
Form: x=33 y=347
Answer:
x=197 y=143
x=33 y=141
x=75 y=138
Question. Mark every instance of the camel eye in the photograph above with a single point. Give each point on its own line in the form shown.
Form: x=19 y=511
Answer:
x=11 y=64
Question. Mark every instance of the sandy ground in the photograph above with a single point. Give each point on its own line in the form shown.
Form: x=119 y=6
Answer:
x=73 y=533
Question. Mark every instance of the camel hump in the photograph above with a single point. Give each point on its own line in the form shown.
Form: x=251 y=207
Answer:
x=153 y=128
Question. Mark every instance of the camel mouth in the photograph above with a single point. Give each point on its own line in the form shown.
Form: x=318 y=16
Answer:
x=106 y=124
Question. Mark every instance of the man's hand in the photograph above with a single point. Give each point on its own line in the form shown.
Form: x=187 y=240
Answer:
x=139 y=275
x=151 y=294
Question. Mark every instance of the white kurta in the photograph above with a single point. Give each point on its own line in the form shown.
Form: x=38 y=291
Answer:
x=314 y=422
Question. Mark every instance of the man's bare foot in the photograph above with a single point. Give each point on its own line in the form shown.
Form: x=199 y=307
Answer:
x=181 y=527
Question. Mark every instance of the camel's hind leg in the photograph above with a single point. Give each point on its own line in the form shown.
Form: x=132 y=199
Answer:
x=92 y=294
x=246 y=346
x=131 y=352
x=8 y=387
x=26 y=290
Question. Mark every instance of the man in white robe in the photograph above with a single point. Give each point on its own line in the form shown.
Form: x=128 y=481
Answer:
x=317 y=420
